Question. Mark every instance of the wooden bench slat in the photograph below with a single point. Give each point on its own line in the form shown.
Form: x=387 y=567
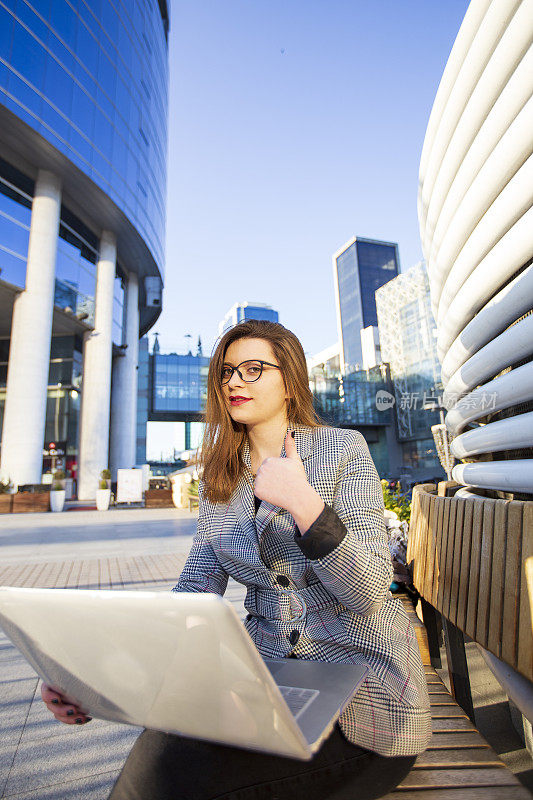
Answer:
x=447 y=712
x=473 y=578
x=467 y=756
x=481 y=776
x=462 y=594
x=512 y=573
x=485 y=569
x=456 y=574
x=461 y=793
x=456 y=743
x=457 y=739
x=450 y=554
x=525 y=639
x=497 y=579
x=440 y=553
x=461 y=725
x=425 y=542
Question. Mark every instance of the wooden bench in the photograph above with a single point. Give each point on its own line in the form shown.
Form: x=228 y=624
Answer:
x=458 y=764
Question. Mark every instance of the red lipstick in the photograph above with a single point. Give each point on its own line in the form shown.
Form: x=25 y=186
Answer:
x=236 y=400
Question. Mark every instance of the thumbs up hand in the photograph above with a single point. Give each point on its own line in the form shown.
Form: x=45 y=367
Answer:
x=283 y=482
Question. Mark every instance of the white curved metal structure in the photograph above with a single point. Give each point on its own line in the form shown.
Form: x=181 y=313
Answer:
x=475 y=210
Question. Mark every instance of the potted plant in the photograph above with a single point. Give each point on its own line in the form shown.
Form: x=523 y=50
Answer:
x=57 y=496
x=103 y=493
x=6 y=498
x=193 y=493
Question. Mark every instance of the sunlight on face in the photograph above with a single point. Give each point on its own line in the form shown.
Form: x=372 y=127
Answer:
x=264 y=400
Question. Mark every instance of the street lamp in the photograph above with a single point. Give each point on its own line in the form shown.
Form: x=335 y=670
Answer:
x=441 y=436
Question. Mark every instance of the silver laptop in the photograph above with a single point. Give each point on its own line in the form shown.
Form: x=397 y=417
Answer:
x=176 y=662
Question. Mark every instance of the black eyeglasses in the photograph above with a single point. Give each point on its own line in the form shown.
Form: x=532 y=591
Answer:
x=248 y=371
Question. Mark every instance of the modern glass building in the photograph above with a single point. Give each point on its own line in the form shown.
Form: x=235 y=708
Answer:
x=179 y=386
x=407 y=333
x=360 y=267
x=242 y=311
x=355 y=400
x=172 y=388
x=83 y=131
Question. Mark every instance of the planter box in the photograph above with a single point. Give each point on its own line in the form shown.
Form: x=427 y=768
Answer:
x=158 y=498
x=57 y=500
x=6 y=503
x=30 y=501
x=103 y=498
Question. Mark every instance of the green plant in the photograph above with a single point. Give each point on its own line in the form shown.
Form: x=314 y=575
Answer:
x=193 y=488
x=395 y=501
x=57 y=487
x=5 y=487
x=103 y=483
x=59 y=475
x=106 y=475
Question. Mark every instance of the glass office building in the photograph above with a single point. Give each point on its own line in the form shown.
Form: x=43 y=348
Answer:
x=407 y=334
x=360 y=267
x=352 y=401
x=179 y=386
x=171 y=388
x=243 y=311
x=83 y=132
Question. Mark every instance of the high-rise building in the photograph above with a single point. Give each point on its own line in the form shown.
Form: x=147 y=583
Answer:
x=83 y=128
x=243 y=311
x=407 y=333
x=360 y=267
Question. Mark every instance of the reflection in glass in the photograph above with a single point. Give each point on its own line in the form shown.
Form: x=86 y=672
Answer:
x=91 y=74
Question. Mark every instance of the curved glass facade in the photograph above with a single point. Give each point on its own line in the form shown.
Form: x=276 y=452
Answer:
x=77 y=252
x=91 y=77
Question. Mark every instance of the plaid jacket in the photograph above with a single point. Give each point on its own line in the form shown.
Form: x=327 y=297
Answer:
x=323 y=596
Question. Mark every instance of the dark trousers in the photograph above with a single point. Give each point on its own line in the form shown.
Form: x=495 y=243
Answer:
x=162 y=766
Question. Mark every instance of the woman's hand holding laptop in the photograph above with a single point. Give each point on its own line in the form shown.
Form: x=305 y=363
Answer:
x=62 y=711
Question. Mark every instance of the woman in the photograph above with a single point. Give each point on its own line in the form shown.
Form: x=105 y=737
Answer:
x=293 y=510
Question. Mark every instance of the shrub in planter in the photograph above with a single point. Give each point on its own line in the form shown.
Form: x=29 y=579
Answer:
x=57 y=497
x=58 y=480
x=103 y=493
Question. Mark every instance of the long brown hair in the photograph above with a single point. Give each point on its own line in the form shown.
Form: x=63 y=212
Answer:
x=221 y=457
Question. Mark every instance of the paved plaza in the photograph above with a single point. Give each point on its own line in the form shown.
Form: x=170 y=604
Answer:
x=41 y=758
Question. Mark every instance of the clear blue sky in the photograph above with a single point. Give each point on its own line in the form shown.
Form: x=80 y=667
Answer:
x=277 y=158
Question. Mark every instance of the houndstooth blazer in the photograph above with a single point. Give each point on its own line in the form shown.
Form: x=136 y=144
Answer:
x=323 y=596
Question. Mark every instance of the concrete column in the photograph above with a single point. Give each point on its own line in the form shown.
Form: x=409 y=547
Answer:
x=31 y=331
x=96 y=385
x=124 y=387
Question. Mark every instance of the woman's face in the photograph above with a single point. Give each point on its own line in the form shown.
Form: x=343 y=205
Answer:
x=264 y=400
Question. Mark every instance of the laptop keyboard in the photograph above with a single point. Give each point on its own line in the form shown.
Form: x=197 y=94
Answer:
x=298 y=699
